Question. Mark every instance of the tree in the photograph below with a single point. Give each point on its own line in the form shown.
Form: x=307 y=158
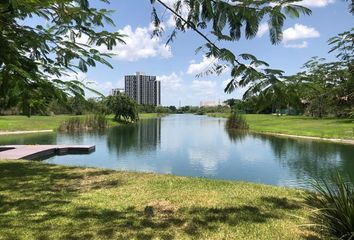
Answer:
x=173 y=108
x=123 y=108
x=218 y=21
x=34 y=58
x=231 y=102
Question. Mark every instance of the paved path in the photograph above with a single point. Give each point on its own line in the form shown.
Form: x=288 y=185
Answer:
x=24 y=132
x=29 y=152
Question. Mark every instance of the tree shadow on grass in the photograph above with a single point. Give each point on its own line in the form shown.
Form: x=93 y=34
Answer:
x=44 y=201
x=281 y=202
x=132 y=223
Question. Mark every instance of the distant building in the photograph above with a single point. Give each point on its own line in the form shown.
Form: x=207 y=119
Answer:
x=209 y=104
x=116 y=91
x=143 y=89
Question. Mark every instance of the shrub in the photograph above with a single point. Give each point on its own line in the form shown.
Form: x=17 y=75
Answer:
x=334 y=203
x=95 y=122
x=236 y=121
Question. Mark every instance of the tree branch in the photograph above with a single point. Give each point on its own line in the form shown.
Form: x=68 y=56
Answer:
x=189 y=24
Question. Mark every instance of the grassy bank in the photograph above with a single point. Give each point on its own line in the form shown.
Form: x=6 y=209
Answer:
x=39 y=201
x=23 y=123
x=299 y=125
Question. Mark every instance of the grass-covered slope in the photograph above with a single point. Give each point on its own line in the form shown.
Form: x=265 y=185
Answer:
x=39 y=201
x=299 y=125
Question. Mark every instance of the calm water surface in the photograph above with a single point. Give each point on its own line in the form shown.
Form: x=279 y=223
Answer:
x=190 y=145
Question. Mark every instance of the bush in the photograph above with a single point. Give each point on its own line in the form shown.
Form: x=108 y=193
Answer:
x=97 y=122
x=236 y=121
x=334 y=203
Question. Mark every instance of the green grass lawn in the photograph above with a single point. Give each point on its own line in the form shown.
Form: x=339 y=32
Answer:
x=39 y=201
x=299 y=125
x=23 y=123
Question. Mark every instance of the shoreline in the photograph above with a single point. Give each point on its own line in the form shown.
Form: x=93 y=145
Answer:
x=3 y=133
x=334 y=140
x=279 y=133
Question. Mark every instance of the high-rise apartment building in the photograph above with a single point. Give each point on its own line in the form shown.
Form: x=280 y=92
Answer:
x=143 y=89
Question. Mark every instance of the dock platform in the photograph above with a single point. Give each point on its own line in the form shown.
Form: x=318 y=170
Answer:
x=31 y=152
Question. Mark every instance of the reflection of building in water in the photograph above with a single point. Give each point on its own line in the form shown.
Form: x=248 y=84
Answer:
x=141 y=137
x=149 y=133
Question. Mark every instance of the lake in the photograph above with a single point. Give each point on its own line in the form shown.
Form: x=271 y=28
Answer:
x=199 y=146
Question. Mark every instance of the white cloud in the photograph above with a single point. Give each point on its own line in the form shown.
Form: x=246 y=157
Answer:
x=140 y=45
x=171 y=21
x=310 y=3
x=195 y=68
x=263 y=28
x=315 y=3
x=102 y=87
x=203 y=87
x=175 y=87
x=304 y=44
x=170 y=2
x=172 y=82
x=209 y=160
x=299 y=31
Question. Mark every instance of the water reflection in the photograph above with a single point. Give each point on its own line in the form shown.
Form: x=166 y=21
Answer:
x=25 y=139
x=236 y=135
x=199 y=146
x=305 y=159
x=311 y=159
x=145 y=136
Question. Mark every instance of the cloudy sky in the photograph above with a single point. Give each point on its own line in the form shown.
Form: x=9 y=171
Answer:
x=177 y=65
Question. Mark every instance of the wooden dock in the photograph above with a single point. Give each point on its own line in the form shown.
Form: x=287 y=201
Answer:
x=30 y=152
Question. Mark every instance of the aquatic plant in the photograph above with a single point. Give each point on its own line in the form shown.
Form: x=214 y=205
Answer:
x=89 y=123
x=236 y=121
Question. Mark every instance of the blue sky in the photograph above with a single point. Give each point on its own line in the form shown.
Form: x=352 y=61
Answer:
x=176 y=65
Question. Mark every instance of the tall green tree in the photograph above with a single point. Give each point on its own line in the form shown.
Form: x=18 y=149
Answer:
x=34 y=58
x=123 y=108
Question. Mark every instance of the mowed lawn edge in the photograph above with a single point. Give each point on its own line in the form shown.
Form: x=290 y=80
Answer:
x=41 y=201
x=23 y=123
x=298 y=125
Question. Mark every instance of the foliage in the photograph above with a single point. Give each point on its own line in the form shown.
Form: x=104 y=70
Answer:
x=123 y=108
x=226 y=21
x=162 y=110
x=321 y=89
x=95 y=122
x=236 y=121
x=43 y=41
x=146 y=108
x=173 y=109
x=335 y=203
x=328 y=88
